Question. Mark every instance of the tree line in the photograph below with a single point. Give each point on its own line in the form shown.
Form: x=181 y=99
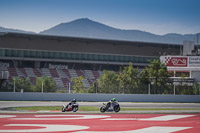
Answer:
x=153 y=79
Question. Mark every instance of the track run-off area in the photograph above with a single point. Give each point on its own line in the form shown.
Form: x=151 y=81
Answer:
x=100 y=123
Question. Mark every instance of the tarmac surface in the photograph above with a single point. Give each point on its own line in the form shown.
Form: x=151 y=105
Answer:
x=156 y=121
x=100 y=123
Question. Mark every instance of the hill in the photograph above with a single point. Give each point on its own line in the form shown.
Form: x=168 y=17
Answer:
x=87 y=28
x=2 y=29
x=90 y=29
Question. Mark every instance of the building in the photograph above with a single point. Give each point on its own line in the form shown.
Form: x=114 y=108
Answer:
x=63 y=58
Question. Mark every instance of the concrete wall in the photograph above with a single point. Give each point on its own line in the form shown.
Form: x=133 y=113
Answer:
x=97 y=97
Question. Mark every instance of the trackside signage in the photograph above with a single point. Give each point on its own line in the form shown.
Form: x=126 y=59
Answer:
x=181 y=61
x=194 y=61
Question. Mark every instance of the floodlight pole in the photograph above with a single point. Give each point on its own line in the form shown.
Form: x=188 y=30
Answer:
x=96 y=87
x=42 y=86
x=149 y=89
x=174 y=89
x=69 y=87
x=14 y=87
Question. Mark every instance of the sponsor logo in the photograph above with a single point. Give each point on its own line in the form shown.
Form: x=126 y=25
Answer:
x=176 y=61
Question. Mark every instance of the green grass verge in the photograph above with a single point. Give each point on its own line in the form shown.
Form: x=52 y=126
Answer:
x=90 y=108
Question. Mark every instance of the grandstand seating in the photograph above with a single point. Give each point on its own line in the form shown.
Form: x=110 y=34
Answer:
x=61 y=76
x=73 y=73
x=54 y=73
x=96 y=74
x=59 y=83
x=22 y=71
x=46 y=72
x=29 y=72
x=66 y=71
x=37 y=72
x=79 y=73
x=12 y=72
x=65 y=81
x=89 y=74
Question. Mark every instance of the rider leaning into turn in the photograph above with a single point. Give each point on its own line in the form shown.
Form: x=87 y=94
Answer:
x=72 y=102
x=113 y=100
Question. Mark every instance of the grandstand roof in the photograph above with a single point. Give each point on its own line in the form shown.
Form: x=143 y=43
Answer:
x=85 y=45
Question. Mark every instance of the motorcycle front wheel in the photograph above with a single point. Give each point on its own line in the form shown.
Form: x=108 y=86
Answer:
x=75 y=109
x=116 y=108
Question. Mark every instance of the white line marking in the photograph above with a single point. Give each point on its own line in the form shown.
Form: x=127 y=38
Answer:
x=64 y=117
x=7 y=116
x=166 y=118
x=120 y=119
x=47 y=128
x=159 y=118
x=155 y=129
x=43 y=111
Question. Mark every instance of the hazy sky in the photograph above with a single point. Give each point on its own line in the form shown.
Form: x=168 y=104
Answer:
x=155 y=16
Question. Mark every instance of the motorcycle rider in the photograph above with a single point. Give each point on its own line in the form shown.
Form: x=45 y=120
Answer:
x=113 y=100
x=71 y=103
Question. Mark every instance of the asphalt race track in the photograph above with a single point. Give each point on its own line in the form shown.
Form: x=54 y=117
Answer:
x=96 y=122
x=100 y=123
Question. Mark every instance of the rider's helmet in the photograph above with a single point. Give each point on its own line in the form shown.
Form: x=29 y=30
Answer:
x=74 y=100
x=113 y=99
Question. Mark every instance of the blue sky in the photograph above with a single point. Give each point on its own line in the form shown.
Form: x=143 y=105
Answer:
x=155 y=16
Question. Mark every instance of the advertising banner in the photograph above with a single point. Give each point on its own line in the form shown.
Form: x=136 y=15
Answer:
x=181 y=61
x=194 y=61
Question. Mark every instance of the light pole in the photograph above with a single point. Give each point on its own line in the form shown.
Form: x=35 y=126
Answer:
x=69 y=87
x=96 y=87
x=14 y=87
x=174 y=89
x=149 y=89
x=42 y=86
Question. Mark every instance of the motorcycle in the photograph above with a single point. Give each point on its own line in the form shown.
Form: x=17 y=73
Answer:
x=73 y=107
x=113 y=107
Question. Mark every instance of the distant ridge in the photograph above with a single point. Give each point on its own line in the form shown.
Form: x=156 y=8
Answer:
x=90 y=29
x=2 y=29
x=87 y=28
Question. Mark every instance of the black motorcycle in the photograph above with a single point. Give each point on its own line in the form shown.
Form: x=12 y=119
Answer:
x=114 y=106
x=72 y=107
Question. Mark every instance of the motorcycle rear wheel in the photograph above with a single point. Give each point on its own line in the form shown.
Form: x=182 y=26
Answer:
x=63 y=109
x=102 y=110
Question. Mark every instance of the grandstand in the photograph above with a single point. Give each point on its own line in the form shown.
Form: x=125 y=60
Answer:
x=63 y=58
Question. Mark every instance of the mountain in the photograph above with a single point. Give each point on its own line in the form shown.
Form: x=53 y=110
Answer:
x=90 y=29
x=2 y=29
